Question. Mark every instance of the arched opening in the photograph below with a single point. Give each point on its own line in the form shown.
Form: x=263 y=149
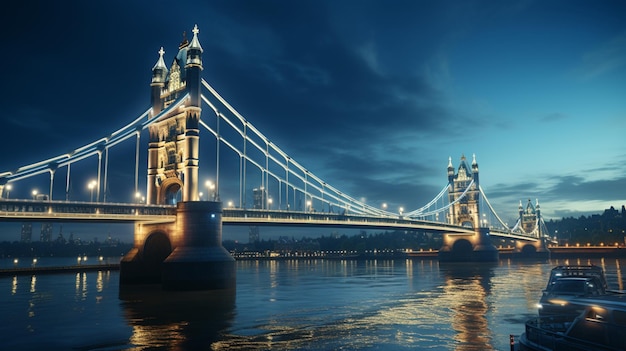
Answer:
x=156 y=248
x=170 y=192
x=467 y=224
x=529 y=249
x=462 y=246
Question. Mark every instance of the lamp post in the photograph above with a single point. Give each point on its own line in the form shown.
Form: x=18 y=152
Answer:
x=91 y=186
x=8 y=188
x=384 y=206
x=269 y=203
x=308 y=205
x=211 y=190
x=35 y=192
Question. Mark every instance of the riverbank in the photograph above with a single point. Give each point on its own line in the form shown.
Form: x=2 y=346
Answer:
x=555 y=252
x=62 y=269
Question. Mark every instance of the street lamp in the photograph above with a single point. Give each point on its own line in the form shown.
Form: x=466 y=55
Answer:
x=211 y=187
x=8 y=188
x=385 y=206
x=91 y=186
x=308 y=205
x=230 y=204
x=200 y=194
x=269 y=203
x=35 y=192
x=401 y=210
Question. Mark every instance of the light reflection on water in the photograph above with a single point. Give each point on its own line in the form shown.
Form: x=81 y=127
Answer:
x=287 y=305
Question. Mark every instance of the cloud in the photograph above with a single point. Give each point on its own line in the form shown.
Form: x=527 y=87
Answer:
x=604 y=59
x=553 y=117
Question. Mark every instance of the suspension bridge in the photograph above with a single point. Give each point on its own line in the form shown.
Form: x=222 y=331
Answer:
x=266 y=185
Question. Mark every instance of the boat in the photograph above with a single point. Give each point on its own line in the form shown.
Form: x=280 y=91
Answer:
x=601 y=326
x=567 y=283
x=559 y=272
x=565 y=292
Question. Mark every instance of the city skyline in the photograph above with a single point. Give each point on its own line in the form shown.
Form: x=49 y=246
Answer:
x=370 y=96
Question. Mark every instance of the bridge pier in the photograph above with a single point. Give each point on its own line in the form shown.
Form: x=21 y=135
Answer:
x=476 y=247
x=185 y=255
x=531 y=249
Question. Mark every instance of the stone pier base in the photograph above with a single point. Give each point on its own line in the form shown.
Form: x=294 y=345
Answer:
x=476 y=247
x=185 y=255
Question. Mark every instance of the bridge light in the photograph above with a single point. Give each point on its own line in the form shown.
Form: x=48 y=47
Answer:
x=230 y=204
x=384 y=206
x=8 y=189
x=35 y=192
x=139 y=199
x=211 y=190
x=91 y=185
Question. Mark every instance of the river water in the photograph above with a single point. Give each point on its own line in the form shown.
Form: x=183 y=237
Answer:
x=287 y=305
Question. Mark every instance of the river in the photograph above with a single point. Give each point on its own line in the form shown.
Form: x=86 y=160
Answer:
x=315 y=304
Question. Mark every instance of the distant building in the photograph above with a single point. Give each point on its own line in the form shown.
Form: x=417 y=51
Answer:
x=27 y=233
x=46 y=232
x=259 y=198
x=254 y=235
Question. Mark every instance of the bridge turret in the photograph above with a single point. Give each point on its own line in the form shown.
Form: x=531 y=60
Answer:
x=193 y=70
x=159 y=75
x=475 y=170
x=193 y=66
x=450 y=171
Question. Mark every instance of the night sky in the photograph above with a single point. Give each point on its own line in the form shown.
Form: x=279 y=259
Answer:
x=371 y=96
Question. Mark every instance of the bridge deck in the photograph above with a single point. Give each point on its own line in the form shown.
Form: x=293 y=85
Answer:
x=63 y=211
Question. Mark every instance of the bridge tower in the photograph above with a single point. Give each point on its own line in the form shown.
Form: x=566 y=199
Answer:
x=530 y=223
x=466 y=211
x=173 y=150
x=464 y=192
x=186 y=254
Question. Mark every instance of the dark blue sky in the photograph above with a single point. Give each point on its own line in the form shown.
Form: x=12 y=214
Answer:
x=372 y=96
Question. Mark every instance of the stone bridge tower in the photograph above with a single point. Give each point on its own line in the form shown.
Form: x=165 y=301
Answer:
x=466 y=211
x=173 y=149
x=531 y=223
x=187 y=253
x=464 y=192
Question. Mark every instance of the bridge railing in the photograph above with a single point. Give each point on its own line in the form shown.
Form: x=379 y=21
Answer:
x=21 y=206
x=21 y=210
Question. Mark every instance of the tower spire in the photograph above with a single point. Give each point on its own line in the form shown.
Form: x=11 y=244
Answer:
x=195 y=43
x=159 y=71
